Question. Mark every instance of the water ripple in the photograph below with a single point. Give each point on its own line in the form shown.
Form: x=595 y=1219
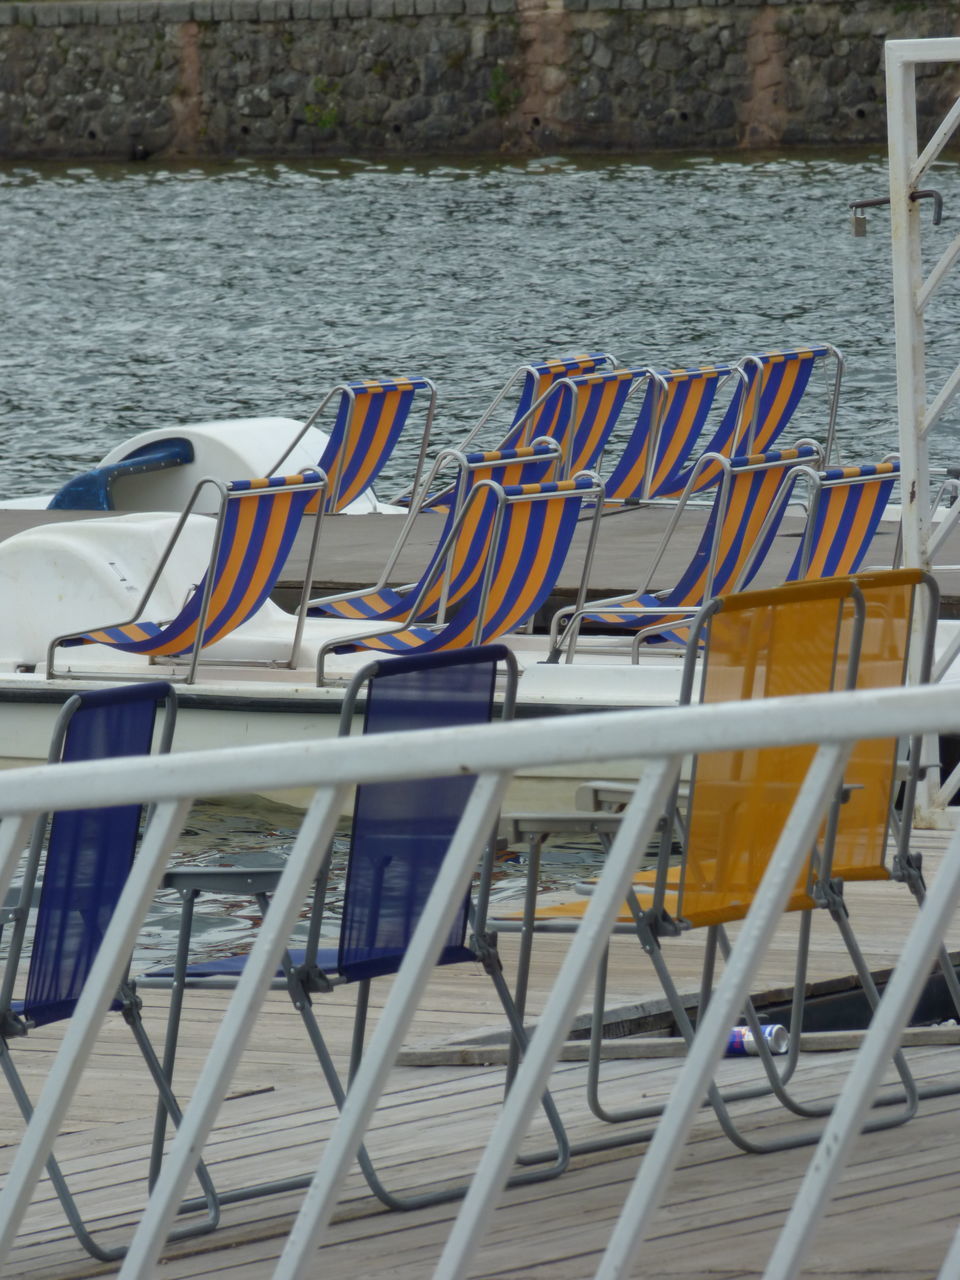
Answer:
x=141 y=295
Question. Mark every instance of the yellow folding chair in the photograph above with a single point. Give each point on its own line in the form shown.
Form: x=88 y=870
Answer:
x=789 y=641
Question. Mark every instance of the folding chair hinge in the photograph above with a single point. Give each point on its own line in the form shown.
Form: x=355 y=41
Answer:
x=653 y=925
x=829 y=894
x=132 y=1003
x=485 y=946
x=310 y=977
x=908 y=869
x=12 y=1025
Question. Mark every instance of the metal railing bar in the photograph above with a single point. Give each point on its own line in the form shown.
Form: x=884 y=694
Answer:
x=942 y=402
x=473 y=831
x=766 y=910
x=637 y=829
x=942 y=133
x=311 y=848
x=15 y=832
x=897 y=1003
x=821 y=718
x=942 y=268
x=492 y=753
x=83 y=1028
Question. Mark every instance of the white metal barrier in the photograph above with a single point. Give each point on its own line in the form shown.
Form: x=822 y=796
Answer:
x=492 y=753
x=913 y=292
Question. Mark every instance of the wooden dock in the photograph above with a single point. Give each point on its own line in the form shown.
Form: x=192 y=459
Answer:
x=354 y=549
x=895 y=1213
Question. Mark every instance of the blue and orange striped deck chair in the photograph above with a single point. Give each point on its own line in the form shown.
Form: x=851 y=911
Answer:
x=370 y=416
x=748 y=507
x=531 y=531
x=578 y=413
x=599 y=400
x=845 y=508
x=255 y=530
x=536 y=414
x=675 y=407
x=674 y=428
x=531 y=464
x=776 y=382
x=534 y=380
x=771 y=387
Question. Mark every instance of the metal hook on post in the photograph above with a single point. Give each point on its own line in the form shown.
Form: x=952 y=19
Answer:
x=859 y=218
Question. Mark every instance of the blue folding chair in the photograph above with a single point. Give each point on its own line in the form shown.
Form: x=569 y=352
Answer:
x=400 y=835
x=89 y=854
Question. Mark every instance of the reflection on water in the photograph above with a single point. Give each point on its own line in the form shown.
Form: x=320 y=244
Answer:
x=261 y=835
x=140 y=295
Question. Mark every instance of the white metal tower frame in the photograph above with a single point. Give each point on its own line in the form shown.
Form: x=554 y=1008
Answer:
x=912 y=293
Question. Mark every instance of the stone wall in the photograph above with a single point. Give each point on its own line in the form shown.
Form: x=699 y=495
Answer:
x=303 y=77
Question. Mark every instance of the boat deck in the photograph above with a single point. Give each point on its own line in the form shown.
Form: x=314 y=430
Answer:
x=894 y=1215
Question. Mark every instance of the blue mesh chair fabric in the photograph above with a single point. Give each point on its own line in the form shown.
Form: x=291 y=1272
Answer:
x=402 y=830
x=89 y=852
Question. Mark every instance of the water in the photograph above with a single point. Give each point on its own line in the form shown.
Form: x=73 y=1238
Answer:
x=134 y=296
x=139 y=295
x=261 y=834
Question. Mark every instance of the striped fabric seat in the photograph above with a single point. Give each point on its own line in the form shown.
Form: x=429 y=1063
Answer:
x=747 y=511
x=256 y=528
x=370 y=418
x=531 y=529
x=579 y=413
x=448 y=577
x=779 y=379
x=771 y=388
x=536 y=414
x=598 y=403
x=673 y=428
x=674 y=410
x=845 y=511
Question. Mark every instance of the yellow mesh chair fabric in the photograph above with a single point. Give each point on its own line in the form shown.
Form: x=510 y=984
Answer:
x=770 y=644
x=785 y=642
x=860 y=844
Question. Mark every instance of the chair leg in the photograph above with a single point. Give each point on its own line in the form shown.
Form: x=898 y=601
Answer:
x=171 y=1039
x=168 y=1100
x=525 y=952
x=715 y=1097
x=59 y=1182
x=909 y=869
x=654 y=1109
x=909 y=1097
x=300 y=998
x=593 y=1062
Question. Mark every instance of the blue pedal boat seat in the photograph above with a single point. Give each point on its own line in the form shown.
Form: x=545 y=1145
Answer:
x=93 y=491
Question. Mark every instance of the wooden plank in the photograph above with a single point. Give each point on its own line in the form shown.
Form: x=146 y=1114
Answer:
x=354 y=549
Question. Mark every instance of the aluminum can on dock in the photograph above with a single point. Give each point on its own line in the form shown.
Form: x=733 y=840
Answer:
x=742 y=1044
